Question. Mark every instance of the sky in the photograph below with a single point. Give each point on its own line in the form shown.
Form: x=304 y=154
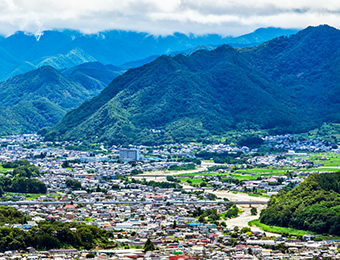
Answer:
x=163 y=17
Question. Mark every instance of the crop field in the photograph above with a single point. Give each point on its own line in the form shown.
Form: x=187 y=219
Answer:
x=326 y=159
x=193 y=181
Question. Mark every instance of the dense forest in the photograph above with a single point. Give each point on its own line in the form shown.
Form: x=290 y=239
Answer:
x=21 y=180
x=10 y=215
x=289 y=84
x=48 y=234
x=313 y=205
x=52 y=236
x=41 y=97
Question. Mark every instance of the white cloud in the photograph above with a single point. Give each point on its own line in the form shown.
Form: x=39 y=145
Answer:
x=227 y=17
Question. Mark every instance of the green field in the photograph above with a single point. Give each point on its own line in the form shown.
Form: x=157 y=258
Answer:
x=32 y=196
x=266 y=170
x=334 y=159
x=285 y=230
x=258 y=195
x=249 y=177
x=194 y=181
x=255 y=173
x=320 y=170
x=279 y=230
x=202 y=174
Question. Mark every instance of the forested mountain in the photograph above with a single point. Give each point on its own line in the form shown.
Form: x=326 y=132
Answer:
x=23 y=52
x=289 y=84
x=307 y=65
x=93 y=76
x=313 y=205
x=42 y=97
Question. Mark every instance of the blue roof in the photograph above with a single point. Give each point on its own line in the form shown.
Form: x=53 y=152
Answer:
x=195 y=224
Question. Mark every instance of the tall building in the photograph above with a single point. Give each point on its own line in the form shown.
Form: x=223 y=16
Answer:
x=129 y=154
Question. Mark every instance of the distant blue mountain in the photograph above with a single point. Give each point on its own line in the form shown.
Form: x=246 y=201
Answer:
x=259 y=36
x=22 y=52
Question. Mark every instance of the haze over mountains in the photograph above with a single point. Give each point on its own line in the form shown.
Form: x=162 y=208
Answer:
x=289 y=84
x=21 y=52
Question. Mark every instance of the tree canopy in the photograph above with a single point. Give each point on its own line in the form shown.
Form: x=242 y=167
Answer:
x=313 y=205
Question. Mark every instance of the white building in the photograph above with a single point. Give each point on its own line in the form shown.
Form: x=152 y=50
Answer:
x=129 y=154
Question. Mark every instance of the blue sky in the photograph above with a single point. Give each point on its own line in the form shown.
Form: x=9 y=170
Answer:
x=162 y=17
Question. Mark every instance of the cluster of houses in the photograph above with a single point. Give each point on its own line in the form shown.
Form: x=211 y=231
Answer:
x=268 y=185
x=189 y=150
x=135 y=212
x=170 y=226
x=293 y=142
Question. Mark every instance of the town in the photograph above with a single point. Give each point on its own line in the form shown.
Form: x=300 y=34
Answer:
x=175 y=201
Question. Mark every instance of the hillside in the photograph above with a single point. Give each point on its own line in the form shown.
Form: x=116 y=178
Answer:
x=22 y=52
x=94 y=76
x=313 y=205
x=307 y=65
x=185 y=98
x=42 y=97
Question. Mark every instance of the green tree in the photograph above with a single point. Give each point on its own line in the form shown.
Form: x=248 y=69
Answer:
x=203 y=184
x=74 y=185
x=253 y=211
x=312 y=205
x=90 y=255
x=201 y=219
x=245 y=230
x=65 y=164
x=148 y=246
x=24 y=185
x=174 y=225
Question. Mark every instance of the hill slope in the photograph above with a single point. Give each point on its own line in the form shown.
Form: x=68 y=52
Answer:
x=42 y=97
x=185 y=98
x=313 y=205
x=307 y=65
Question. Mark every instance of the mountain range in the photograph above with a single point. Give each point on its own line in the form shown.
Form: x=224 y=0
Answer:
x=42 y=97
x=22 y=52
x=288 y=84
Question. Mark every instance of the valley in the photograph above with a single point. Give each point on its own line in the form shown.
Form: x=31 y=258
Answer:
x=179 y=147
x=118 y=192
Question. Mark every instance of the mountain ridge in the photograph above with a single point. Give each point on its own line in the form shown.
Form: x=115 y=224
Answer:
x=22 y=52
x=41 y=97
x=187 y=98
